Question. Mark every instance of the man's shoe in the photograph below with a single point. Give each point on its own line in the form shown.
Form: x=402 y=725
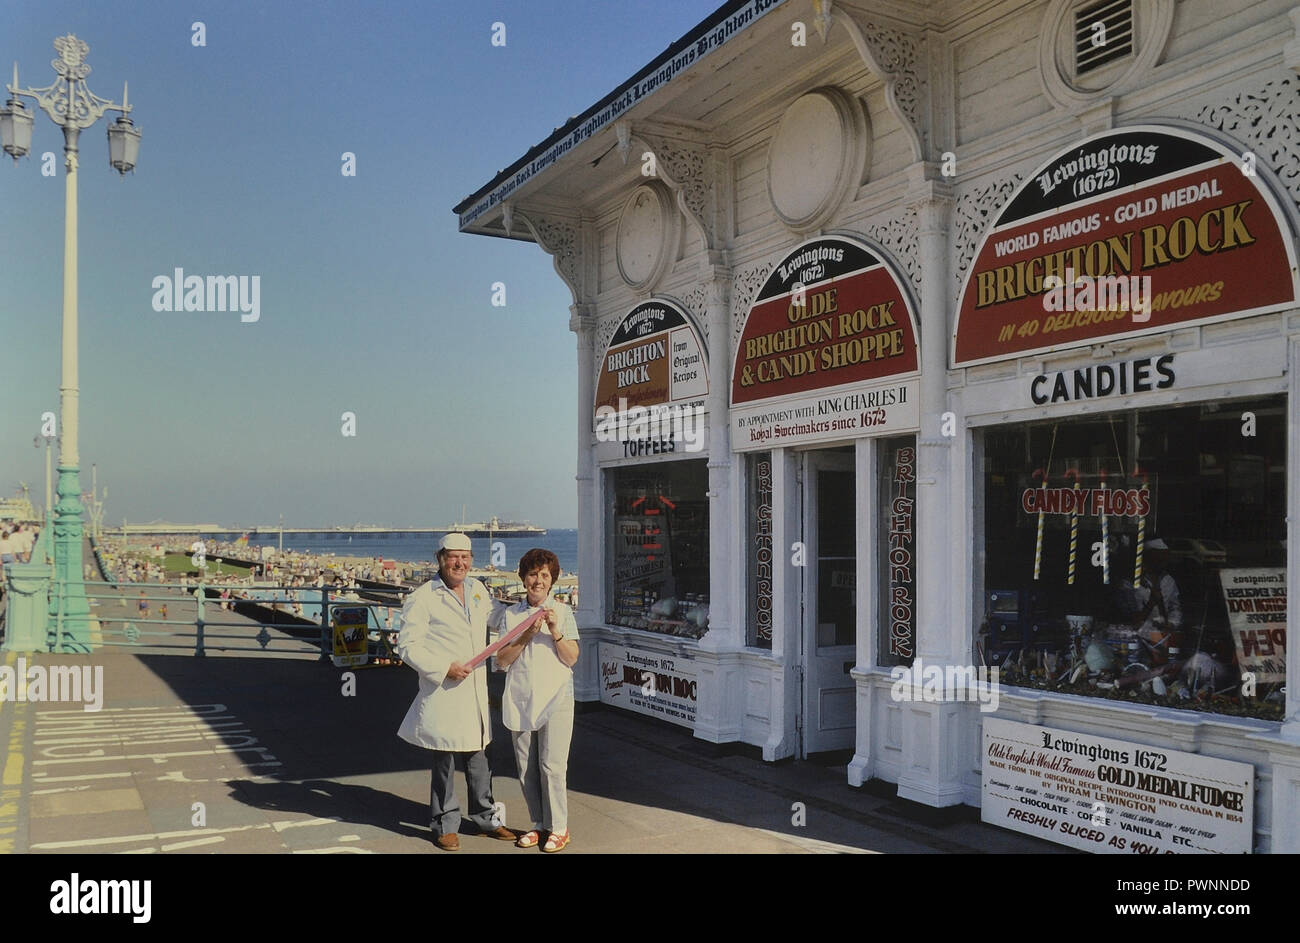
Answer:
x=448 y=842
x=501 y=833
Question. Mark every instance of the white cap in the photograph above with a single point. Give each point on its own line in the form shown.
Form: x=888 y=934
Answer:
x=455 y=541
x=1157 y=544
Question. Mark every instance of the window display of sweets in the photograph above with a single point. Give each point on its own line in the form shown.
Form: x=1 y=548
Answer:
x=1154 y=575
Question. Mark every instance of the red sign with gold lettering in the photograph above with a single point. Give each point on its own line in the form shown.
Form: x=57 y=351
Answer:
x=832 y=312
x=1135 y=231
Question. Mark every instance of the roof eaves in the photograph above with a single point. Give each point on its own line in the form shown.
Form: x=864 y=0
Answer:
x=719 y=27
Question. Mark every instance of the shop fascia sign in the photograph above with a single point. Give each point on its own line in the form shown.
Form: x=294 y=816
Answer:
x=829 y=350
x=1134 y=231
x=653 y=384
x=1140 y=375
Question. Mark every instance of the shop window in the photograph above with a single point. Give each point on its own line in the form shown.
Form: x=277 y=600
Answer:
x=1140 y=556
x=659 y=548
x=758 y=477
x=896 y=512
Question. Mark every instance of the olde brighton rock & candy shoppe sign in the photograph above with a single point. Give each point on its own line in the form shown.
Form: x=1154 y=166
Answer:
x=828 y=351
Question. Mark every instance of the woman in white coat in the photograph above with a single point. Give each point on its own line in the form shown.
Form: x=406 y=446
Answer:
x=537 y=706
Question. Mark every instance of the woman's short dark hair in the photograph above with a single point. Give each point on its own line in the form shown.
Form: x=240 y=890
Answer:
x=536 y=559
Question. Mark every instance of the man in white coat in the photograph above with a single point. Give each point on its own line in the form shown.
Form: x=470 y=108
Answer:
x=444 y=625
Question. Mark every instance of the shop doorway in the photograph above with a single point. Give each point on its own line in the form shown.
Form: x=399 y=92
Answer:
x=829 y=601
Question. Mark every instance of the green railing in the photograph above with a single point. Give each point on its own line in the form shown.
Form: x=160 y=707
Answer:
x=308 y=631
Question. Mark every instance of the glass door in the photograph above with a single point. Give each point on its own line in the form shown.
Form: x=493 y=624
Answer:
x=830 y=600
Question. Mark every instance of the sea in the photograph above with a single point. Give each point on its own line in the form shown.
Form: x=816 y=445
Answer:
x=417 y=548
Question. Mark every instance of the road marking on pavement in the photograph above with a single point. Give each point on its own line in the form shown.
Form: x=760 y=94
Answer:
x=159 y=758
x=11 y=779
x=336 y=850
x=64 y=737
x=78 y=761
x=40 y=777
x=211 y=840
x=13 y=774
x=188 y=833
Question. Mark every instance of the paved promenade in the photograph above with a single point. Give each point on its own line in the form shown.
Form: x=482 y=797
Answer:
x=275 y=753
x=282 y=761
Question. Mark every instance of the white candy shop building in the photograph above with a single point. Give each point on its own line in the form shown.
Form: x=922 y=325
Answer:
x=918 y=340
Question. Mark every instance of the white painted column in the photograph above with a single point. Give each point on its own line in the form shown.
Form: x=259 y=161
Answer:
x=787 y=592
x=1285 y=791
x=726 y=627
x=590 y=612
x=936 y=635
x=867 y=543
x=931 y=731
x=720 y=705
x=1291 y=722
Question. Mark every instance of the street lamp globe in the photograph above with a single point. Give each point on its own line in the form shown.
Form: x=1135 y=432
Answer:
x=123 y=145
x=16 y=126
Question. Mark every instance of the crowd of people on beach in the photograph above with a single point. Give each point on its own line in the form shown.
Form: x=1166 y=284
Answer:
x=16 y=542
x=247 y=572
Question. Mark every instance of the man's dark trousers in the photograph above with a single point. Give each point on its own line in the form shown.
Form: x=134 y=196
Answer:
x=444 y=807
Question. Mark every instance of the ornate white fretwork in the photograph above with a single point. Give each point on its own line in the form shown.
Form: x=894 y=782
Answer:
x=744 y=286
x=894 y=55
x=696 y=302
x=898 y=237
x=685 y=166
x=604 y=331
x=560 y=239
x=972 y=214
x=1264 y=119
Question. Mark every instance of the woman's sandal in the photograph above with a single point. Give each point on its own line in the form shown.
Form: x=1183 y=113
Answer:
x=556 y=841
x=528 y=839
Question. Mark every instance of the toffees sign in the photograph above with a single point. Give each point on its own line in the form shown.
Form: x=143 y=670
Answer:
x=1134 y=231
x=828 y=351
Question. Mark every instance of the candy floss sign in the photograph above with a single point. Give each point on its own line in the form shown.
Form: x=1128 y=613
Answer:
x=828 y=351
x=1134 y=231
x=1111 y=796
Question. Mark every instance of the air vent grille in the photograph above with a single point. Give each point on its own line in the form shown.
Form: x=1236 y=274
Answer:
x=1103 y=32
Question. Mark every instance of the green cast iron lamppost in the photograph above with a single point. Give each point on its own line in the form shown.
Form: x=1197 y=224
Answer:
x=72 y=107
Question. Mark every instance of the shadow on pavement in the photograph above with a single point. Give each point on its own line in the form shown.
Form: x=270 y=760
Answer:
x=638 y=779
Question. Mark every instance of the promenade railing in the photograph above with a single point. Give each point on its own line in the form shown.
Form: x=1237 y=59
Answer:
x=274 y=619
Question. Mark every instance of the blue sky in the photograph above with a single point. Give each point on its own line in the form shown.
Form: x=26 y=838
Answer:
x=371 y=301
